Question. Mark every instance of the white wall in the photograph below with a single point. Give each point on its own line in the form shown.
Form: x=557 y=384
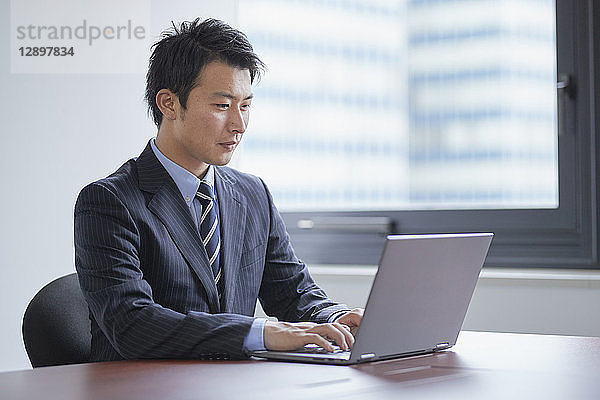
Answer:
x=60 y=132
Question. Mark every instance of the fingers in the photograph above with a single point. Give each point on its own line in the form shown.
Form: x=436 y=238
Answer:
x=315 y=338
x=336 y=332
x=348 y=336
x=288 y=336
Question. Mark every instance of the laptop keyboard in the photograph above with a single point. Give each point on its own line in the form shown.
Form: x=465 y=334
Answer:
x=314 y=349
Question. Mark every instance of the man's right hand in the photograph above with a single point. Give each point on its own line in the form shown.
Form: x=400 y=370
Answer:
x=293 y=335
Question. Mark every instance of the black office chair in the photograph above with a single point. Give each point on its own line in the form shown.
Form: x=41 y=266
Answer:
x=56 y=324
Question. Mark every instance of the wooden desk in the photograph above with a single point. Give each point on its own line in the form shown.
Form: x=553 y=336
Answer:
x=480 y=366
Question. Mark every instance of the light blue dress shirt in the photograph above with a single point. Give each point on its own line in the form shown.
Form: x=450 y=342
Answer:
x=188 y=184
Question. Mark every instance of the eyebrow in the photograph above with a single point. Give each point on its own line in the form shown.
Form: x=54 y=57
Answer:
x=230 y=96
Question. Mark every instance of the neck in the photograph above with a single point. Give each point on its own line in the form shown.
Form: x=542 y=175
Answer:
x=177 y=154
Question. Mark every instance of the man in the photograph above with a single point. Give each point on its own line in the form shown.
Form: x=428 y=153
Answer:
x=174 y=249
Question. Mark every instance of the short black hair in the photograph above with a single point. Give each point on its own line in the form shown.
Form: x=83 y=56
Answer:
x=181 y=54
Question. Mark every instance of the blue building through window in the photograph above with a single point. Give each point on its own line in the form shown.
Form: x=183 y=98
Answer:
x=393 y=105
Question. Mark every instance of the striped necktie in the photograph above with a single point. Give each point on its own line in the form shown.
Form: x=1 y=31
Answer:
x=209 y=227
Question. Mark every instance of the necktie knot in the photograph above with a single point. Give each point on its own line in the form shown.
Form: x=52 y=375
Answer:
x=205 y=192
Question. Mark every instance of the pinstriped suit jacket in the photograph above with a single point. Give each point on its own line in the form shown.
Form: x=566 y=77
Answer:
x=146 y=276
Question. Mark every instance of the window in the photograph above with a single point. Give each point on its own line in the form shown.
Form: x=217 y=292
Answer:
x=426 y=116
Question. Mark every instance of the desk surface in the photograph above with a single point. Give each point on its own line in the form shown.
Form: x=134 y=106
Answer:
x=481 y=365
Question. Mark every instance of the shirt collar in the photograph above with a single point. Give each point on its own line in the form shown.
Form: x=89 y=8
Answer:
x=186 y=182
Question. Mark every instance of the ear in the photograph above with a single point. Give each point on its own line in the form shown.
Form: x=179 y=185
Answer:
x=168 y=103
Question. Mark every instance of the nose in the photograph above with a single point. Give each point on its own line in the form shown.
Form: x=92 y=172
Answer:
x=237 y=120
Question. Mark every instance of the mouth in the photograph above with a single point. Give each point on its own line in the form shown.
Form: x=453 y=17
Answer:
x=229 y=146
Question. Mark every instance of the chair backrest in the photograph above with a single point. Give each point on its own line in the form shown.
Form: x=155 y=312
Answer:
x=56 y=324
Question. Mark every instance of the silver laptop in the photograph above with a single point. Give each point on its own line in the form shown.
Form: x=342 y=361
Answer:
x=417 y=303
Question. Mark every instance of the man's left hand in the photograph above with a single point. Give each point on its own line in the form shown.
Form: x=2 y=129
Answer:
x=351 y=319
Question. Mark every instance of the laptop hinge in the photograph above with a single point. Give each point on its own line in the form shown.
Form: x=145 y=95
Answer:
x=442 y=346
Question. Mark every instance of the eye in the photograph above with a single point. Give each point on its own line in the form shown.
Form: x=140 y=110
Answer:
x=245 y=107
x=222 y=106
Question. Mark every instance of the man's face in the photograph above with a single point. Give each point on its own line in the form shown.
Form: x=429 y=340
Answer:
x=212 y=125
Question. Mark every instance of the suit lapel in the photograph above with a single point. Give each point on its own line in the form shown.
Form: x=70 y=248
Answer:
x=232 y=209
x=168 y=206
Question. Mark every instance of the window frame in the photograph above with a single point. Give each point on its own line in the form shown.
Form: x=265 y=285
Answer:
x=565 y=237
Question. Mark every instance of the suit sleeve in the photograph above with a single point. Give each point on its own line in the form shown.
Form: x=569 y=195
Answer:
x=288 y=292
x=107 y=245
